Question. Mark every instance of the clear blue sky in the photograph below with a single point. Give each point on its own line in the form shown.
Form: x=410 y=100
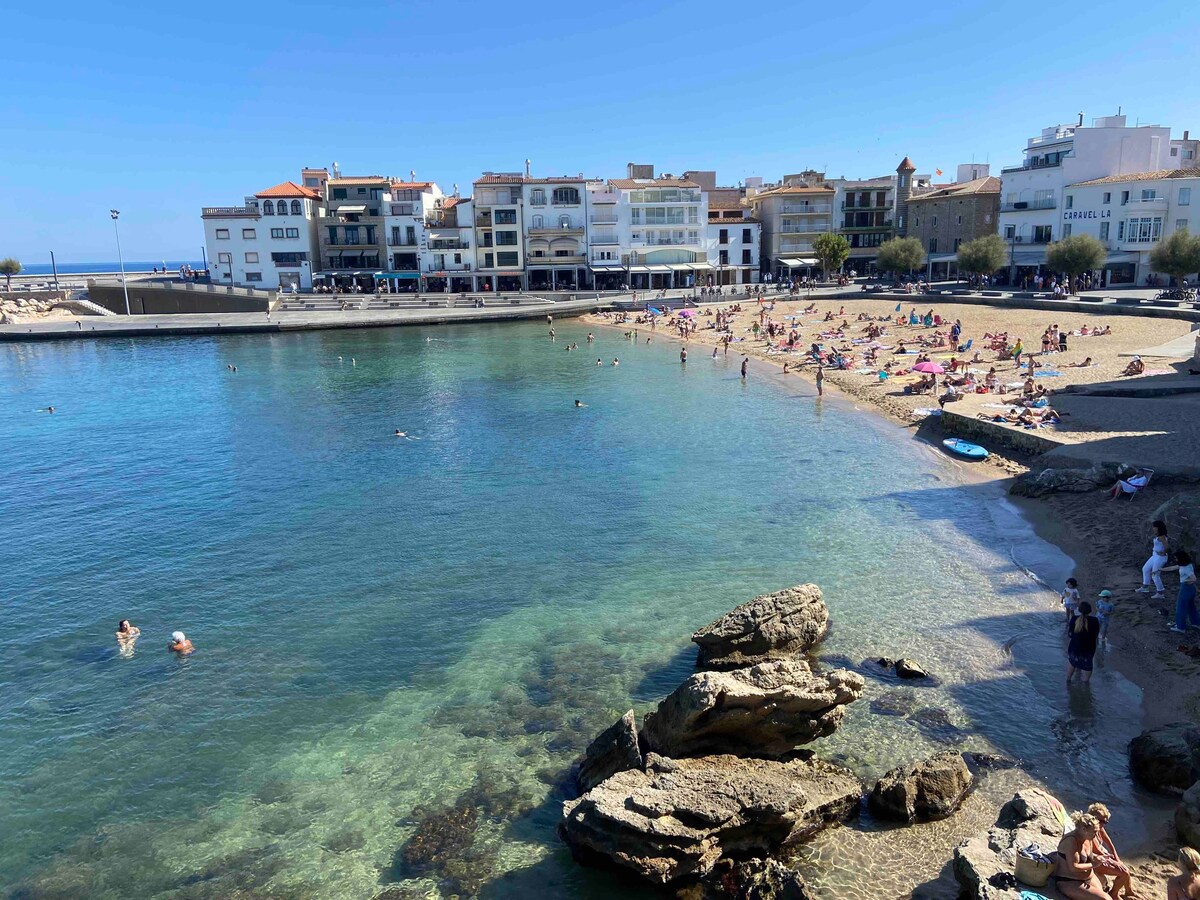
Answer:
x=160 y=110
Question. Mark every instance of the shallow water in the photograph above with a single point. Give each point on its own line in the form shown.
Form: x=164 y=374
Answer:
x=390 y=629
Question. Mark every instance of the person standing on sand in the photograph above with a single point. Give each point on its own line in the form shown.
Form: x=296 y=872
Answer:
x=1152 y=570
x=1018 y=349
x=1084 y=631
x=1185 y=603
x=820 y=380
x=1186 y=885
x=1105 y=607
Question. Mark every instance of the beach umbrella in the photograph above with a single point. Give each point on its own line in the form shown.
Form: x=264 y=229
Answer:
x=686 y=313
x=653 y=311
x=930 y=367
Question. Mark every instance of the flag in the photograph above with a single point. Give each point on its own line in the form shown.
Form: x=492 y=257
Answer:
x=939 y=171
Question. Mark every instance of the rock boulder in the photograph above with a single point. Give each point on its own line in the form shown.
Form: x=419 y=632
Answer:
x=751 y=879
x=1031 y=817
x=932 y=789
x=1187 y=817
x=613 y=750
x=1055 y=481
x=765 y=711
x=676 y=818
x=1182 y=515
x=773 y=626
x=1166 y=759
x=910 y=668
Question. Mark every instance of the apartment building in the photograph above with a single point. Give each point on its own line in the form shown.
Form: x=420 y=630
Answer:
x=1032 y=193
x=448 y=261
x=944 y=218
x=865 y=213
x=604 y=235
x=404 y=207
x=734 y=238
x=792 y=214
x=498 y=237
x=554 y=216
x=269 y=242
x=1130 y=214
x=661 y=229
x=351 y=231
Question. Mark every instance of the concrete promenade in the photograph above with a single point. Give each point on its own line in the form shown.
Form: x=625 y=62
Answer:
x=289 y=320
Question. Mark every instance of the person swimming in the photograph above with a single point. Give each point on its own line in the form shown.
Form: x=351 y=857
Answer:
x=127 y=633
x=616 y=362
x=579 y=404
x=180 y=644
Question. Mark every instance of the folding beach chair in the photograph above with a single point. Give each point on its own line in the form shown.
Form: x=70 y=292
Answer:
x=1138 y=488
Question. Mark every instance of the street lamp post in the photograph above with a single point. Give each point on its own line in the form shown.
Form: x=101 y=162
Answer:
x=121 y=259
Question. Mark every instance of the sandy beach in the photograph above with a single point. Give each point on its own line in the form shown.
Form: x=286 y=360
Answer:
x=1107 y=540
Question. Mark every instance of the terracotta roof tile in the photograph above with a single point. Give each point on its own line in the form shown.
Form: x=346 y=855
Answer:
x=289 y=189
x=451 y=202
x=636 y=184
x=792 y=189
x=350 y=182
x=561 y=179
x=745 y=220
x=1141 y=176
x=989 y=184
x=906 y=165
x=411 y=185
x=500 y=178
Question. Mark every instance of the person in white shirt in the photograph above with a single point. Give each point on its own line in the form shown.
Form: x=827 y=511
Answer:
x=1154 y=565
x=1185 y=604
x=1070 y=598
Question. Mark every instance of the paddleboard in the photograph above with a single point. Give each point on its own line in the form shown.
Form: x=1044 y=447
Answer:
x=966 y=449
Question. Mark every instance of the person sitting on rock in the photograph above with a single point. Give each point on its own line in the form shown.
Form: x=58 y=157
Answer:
x=1074 y=872
x=1108 y=861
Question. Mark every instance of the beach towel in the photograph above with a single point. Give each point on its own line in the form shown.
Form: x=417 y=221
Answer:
x=1159 y=372
x=925 y=411
x=1047 y=374
x=1033 y=895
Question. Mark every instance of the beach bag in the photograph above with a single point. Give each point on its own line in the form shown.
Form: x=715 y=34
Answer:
x=1033 y=872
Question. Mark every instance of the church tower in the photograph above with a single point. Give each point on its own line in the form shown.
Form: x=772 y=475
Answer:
x=904 y=176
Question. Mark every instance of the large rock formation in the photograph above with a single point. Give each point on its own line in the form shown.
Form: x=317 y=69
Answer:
x=929 y=790
x=1031 y=817
x=613 y=750
x=1187 y=817
x=677 y=818
x=750 y=879
x=766 y=710
x=773 y=626
x=1182 y=516
x=1167 y=758
x=1054 y=481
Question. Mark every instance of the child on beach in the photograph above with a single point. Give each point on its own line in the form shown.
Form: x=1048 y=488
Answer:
x=1070 y=598
x=1105 y=607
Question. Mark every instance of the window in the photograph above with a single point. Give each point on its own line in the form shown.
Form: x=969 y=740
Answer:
x=746 y=260
x=1042 y=234
x=254 y=276
x=566 y=196
x=506 y=259
x=292 y=232
x=458 y=259
x=351 y=234
x=724 y=236
x=489 y=261
x=960 y=220
x=1145 y=230
x=506 y=239
x=1120 y=231
x=1181 y=224
x=1066 y=230
x=362 y=190
x=251 y=257
x=693 y=237
x=248 y=234
x=225 y=258
x=1070 y=201
x=277 y=232
x=297 y=210
x=1104 y=231
x=1149 y=195
x=564 y=252
x=1107 y=197
x=222 y=234
x=957 y=244
x=1188 y=154
x=288 y=259
x=269 y=207
x=1043 y=199
x=933 y=245
x=1174 y=151
x=916 y=221
x=339 y=193
x=564 y=221
x=309 y=181
x=724 y=260
x=934 y=221
x=537 y=222
x=1124 y=197
x=506 y=217
x=1185 y=196
x=693 y=215
x=538 y=197
x=746 y=239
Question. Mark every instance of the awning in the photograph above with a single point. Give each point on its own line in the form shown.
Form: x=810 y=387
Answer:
x=342 y=210
x=657 y=270
x=1115 y=258
x=943 y=257
x=397 y=274
x=699 y=267
x=606 y=267
x=680 y=267
x=639 y=269
x=792 y=262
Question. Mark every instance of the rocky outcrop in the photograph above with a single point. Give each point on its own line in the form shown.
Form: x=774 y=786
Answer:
x=676 y=818
x=910 y=668
x=766 y=710
x=1182 y=515
x=750 y=879
x=614 y=750
x=1031 y=817
x=932 y=789
x=773 y=626
x=1187 y=817
x=1055 y=481
x=1166 y=759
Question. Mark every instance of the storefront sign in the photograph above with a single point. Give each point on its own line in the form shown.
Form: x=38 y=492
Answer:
x=1087 y=214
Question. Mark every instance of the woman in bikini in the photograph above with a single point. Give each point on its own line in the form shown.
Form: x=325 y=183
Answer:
x=1108 y=861
x=1186 y=885
x=1074 y=873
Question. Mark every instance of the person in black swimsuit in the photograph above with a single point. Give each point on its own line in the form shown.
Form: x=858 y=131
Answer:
x=1074 y=875
x=1084 y=631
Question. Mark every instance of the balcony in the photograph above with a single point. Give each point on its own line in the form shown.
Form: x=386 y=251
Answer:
x=869 y=207
x=1146 y=204
x=602 y=240
x=439 y=246
x=556 y=229
x=342 y=242
x=1030 y=166
x=816 y=227
x=483 y=220
x=603 y=196
x=575 y=259
x=1019 y=205
x=401 y=242
x=851 y=229
x=1028 y=239
x=664 y=242
x=604 y=218
x=810 y=210
x=786 y=247
x=227 y=212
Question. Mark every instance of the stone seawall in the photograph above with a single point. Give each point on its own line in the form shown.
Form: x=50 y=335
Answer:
x=992 y=433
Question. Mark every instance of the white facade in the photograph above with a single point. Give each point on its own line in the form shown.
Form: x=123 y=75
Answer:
x=1130 y=216
x=661 y=230
x=448 y=259
x=1031 y=194
x=554 y=212
x=405 y=207
x=269 y=242
x=733 y=251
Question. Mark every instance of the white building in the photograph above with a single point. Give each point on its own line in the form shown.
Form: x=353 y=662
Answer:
x=604 y=235
x=1130 y=214
x=1031 y=203
x=661 y=230
x=405 y=206
x=733 y=239
x=269 y=242
x=555 y=225
x=448 y=259
x=499 y=226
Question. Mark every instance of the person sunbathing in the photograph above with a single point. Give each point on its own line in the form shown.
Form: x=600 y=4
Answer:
x=1129 y=485
x=1086 y=364
x=1135 y=367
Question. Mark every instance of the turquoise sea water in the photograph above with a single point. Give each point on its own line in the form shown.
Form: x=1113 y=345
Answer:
x=403 y=643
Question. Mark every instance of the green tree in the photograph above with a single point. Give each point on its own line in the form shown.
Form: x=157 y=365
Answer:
x=1075 y=255
x=1177 y=256
x=831 y=251
x=8 y=268
x=983 y=256
x=902 y=254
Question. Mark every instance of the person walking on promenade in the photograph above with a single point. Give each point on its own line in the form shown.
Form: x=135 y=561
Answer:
x=1185 y=604
x=1084 y=631
x=1152 y=570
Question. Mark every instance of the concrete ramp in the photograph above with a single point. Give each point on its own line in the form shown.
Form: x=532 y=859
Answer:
x=1183 y=347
